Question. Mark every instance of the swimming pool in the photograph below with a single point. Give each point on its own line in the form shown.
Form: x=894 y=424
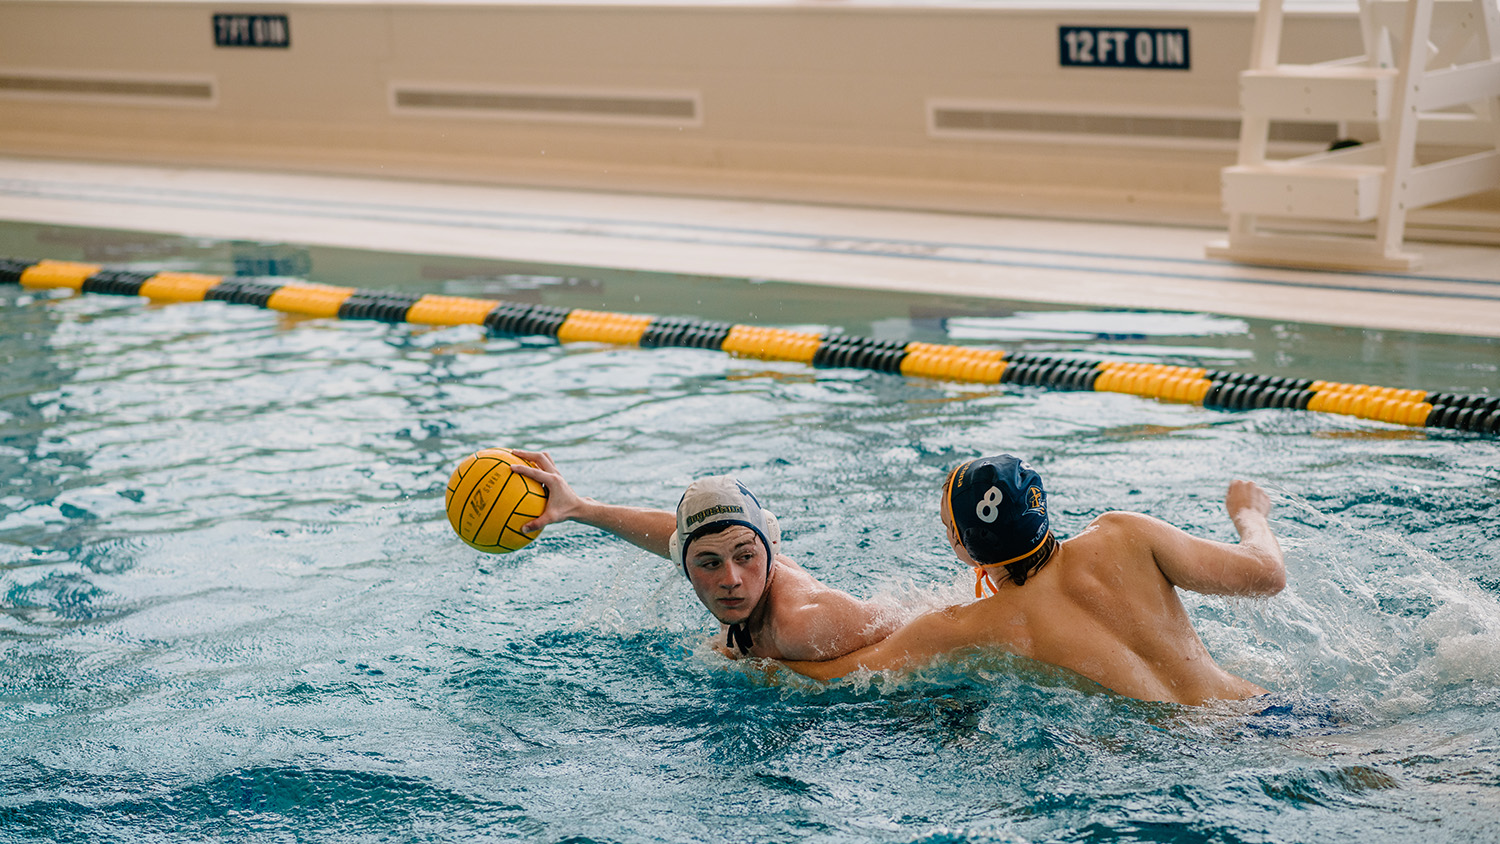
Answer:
x=233 y=609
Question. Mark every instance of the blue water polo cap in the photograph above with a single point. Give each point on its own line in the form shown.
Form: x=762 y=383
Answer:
x=999 y=510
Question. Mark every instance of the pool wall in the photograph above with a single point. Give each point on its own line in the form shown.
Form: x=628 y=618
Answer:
x=947 y=105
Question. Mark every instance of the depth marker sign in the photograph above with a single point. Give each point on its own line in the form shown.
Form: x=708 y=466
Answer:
x=1123 y=47
x=271 y=31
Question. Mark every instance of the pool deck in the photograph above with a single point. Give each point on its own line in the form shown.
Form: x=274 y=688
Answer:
x=1067 y=262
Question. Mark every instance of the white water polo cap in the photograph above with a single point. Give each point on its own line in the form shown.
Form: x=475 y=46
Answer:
x=712 y=504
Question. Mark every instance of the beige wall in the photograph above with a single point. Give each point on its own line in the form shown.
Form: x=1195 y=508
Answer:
x=823 y=101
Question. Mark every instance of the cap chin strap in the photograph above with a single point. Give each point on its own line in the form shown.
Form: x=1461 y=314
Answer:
x=981 y=580
x=739 y=637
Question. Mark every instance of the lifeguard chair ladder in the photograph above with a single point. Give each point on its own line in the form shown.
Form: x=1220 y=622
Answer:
x=1430 y=67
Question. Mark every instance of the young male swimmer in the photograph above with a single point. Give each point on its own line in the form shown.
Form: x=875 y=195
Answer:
x=728 y=546
x=1103 y=604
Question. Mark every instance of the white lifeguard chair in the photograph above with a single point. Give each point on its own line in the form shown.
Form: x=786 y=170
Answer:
x=1429 y=81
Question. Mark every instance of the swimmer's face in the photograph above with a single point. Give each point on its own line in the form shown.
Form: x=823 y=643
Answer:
x=954 y=541
x=728 y=571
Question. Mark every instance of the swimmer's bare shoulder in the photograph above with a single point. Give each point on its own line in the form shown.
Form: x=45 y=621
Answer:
x=813 y=621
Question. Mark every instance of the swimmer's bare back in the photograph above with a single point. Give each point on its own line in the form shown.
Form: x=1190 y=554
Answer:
x=1106 y=606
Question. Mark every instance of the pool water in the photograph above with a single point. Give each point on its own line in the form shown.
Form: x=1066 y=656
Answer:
x=231 y=607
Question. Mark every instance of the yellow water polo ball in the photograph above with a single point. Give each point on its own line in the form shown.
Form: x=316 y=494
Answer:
x=488 y=504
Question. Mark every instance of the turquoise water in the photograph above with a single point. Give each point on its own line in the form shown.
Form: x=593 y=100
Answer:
x=231 y=609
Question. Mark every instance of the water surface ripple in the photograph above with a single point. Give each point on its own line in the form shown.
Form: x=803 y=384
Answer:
x=231 y=609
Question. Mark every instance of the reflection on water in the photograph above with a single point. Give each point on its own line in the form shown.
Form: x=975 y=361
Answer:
x=232 y=605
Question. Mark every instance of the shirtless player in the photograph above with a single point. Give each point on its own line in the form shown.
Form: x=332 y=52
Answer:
x=1103 y=604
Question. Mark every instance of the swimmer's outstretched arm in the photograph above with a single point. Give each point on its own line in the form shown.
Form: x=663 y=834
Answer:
x=643 y=527
x=921 y=641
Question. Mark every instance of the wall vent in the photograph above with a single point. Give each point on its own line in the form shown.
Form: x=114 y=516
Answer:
x=1001 y=121
x=116 y=88
x=646 y=108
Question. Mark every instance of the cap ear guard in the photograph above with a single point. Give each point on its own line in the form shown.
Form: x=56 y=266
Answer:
x=981 y=543
x=986 y=474
x=773 y=533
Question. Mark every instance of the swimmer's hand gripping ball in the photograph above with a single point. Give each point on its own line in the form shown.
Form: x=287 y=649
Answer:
x=488 y=504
